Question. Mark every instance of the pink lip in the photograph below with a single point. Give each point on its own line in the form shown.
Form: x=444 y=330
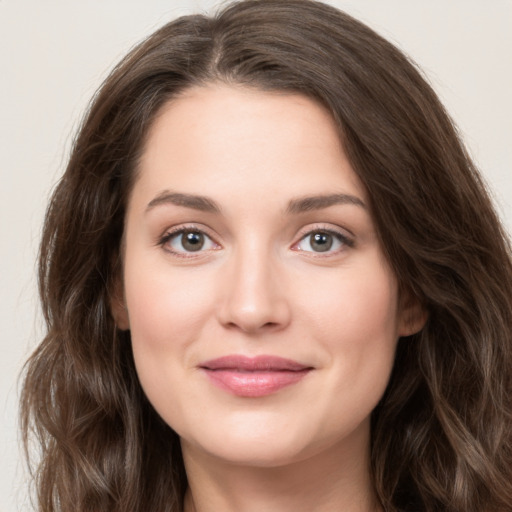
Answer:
x=254 y=376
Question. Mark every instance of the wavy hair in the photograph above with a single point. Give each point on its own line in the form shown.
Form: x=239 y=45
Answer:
x=441 y=437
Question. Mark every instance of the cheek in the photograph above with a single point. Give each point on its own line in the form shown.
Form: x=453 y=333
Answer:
x=355 y=324
x=168 y=312
x=163 y=305
x=351 y=303
x=167 y=315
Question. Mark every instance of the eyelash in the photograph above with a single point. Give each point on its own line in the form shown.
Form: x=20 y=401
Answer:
x=342 y=238
x=175 y=232
x=345 y=240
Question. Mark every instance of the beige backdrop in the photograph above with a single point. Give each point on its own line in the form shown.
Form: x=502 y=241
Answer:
x=54 y=54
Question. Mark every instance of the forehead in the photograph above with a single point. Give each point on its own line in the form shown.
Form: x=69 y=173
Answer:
x=236 y=137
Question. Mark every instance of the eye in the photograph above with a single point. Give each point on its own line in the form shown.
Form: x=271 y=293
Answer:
x=187 y=241
x=323 y=241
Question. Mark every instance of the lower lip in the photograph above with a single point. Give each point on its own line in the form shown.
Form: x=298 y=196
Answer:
x=254 y=383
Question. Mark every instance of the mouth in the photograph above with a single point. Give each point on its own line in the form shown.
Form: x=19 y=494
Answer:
x=254 y=376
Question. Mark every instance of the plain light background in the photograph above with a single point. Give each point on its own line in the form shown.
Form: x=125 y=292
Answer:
x=55 y=53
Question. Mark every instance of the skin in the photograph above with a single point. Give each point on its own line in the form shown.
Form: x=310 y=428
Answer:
x=260 y=286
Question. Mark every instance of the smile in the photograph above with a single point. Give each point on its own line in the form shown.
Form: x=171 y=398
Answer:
x=254 y=377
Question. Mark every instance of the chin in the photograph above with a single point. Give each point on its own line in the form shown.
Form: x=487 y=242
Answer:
x=259 y=443
x=258 y=455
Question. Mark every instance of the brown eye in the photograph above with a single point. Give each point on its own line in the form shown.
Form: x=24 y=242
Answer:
x=324 y=241
x=320 y=242
x=188 y=241
x=192 y=241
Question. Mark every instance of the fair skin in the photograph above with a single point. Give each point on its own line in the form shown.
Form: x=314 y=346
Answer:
x=224 y=256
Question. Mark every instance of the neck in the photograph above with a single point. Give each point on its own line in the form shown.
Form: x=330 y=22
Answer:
x=326 y=482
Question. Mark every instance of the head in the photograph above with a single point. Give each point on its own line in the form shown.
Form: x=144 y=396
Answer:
x=435 y=226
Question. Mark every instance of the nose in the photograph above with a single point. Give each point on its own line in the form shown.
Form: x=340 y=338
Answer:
x=254 y=299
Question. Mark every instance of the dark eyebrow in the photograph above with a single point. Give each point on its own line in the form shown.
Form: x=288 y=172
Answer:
x=306 y=204
x=300 y=205
x=201 y=203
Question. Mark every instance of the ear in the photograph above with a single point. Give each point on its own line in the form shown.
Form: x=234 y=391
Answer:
x=118 y=305
x=412 y=314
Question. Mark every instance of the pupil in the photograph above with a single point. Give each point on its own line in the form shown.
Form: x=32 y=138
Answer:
x=193 y=241
x=321 y=242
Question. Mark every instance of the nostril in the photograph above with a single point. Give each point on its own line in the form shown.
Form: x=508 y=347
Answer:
x=252 y=327
x=251 y=305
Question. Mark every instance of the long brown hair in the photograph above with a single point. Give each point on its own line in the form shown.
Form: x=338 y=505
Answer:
x=442 y=433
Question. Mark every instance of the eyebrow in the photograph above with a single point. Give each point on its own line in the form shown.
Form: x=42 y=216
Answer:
x=194 y=202
x=306 y=204
x=295 y=206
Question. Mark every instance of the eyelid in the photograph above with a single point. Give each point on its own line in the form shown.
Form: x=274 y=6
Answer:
x=343 y=235
x=169 y=233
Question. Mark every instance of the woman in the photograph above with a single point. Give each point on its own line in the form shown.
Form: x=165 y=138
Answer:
x=273 y=280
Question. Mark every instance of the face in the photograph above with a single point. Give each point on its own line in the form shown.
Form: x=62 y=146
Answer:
x=263 y=315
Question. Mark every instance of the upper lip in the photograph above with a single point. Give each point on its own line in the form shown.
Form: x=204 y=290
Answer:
x=258 y=363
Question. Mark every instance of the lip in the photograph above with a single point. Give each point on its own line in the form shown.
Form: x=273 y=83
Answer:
x=254 y=376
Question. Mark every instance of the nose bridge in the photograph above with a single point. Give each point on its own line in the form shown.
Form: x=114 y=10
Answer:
x=254 y=297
